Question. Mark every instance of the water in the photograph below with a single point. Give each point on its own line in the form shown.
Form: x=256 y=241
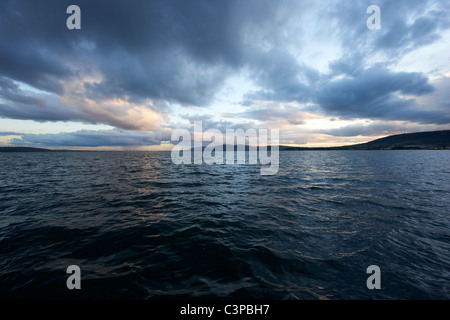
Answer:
x=140 y=227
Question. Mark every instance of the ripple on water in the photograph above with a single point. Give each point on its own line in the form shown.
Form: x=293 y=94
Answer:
x=141 y=227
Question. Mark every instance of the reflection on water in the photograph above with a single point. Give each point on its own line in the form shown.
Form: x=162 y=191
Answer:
x=141 y=227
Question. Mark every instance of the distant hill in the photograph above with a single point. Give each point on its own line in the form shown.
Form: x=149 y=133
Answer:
x=433 y=140
x=23 y=149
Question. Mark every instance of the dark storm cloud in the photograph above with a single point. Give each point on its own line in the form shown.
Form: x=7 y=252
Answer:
x=405 y=25
x=373 y=94
x=282 y=78
x=351 y=64
x=19 y=104
x=183 y=51
x=174 y=51
x=32 y=42
x=178 y=51
x=402 y=36
x=355 y=97
x=10 y=91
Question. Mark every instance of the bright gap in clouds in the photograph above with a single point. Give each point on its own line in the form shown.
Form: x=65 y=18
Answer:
x=433 y=59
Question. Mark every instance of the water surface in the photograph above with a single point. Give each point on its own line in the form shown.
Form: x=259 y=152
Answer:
x=140 y=227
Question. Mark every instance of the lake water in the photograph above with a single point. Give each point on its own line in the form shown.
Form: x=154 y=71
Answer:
x=141 y=227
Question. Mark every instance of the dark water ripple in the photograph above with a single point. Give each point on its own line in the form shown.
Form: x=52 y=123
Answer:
x=140 y=227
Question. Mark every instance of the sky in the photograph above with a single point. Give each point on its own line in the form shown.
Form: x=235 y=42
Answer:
x=137 y=70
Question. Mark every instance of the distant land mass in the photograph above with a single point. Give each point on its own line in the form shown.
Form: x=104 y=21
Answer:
x=432 y=140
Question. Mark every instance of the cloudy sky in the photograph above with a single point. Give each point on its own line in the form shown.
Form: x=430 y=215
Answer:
x=139 y=69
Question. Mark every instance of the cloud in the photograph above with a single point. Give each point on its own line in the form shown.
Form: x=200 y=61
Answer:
x=165 y=52
x=22 y=104
x=282 y=78
x=31 y=44
x=406 y=25
x=211 y=122
x=175 y=51
x=441 y=97
x=402 y=36
x=28 y=105
x=10 y=133
x=274 y=112
x=380 y=94
x=133 y=63
x=92 y=138
x=371 y=129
